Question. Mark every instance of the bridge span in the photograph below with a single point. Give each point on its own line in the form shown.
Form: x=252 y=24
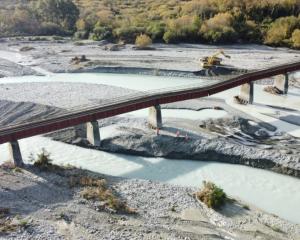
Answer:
x=152 y=100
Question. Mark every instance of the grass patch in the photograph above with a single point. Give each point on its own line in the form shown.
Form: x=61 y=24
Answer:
x=7 y=224
x=9 y=165
x=98 y=190
x=211 y=195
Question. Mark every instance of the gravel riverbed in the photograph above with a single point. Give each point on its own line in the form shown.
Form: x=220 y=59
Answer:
x=42 y=204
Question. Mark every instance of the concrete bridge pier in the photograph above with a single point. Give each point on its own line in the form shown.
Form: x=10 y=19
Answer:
x=155 y=118
x=93 y=134
x=15 y=153
x=246 y=95
x=282 y=83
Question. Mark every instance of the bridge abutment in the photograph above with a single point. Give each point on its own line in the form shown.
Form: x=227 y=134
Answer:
x=246 y=95
x=155 y=118
x=93 y=134
x=15 y=153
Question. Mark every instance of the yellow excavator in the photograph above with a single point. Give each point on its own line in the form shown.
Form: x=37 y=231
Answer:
x=214 y=60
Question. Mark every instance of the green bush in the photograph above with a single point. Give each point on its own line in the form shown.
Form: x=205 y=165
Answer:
x=49 y=28
x=156 y=30
x=211 y=195
x=170 y=37
x=99 y=33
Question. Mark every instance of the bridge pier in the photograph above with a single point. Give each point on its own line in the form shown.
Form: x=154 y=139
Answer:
x=93 y=134
x=246 y=95
x=15 y=153
x=280 y=86
x=155 y=118
x=282 y=83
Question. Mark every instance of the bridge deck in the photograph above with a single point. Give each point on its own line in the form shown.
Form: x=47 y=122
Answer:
x=135 y=102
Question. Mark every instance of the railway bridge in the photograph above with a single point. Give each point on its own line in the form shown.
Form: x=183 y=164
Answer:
x=152 y=100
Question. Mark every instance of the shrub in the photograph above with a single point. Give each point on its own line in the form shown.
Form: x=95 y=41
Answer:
x=81 y=25
x=295 y=40
x=281 y=30
x=81 y=35
x=99 y=33
x=43 y=160
x=170 y=37
x=128 y=33
x=143 y=41
x=211 y=195
x=49 y=28
x=219 y=29
x=156 y=30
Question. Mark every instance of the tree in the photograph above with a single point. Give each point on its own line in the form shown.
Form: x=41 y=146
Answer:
x=281 y=30
x=101 y=32
x=184 y=28
x=219 y=29
x=63 y=13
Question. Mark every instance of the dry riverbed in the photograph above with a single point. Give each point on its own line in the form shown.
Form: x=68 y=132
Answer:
x=56 y=56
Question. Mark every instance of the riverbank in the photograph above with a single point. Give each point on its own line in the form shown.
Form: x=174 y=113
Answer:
x=46 y=206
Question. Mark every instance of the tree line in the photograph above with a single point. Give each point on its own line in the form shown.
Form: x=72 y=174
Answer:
x=272 y=22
